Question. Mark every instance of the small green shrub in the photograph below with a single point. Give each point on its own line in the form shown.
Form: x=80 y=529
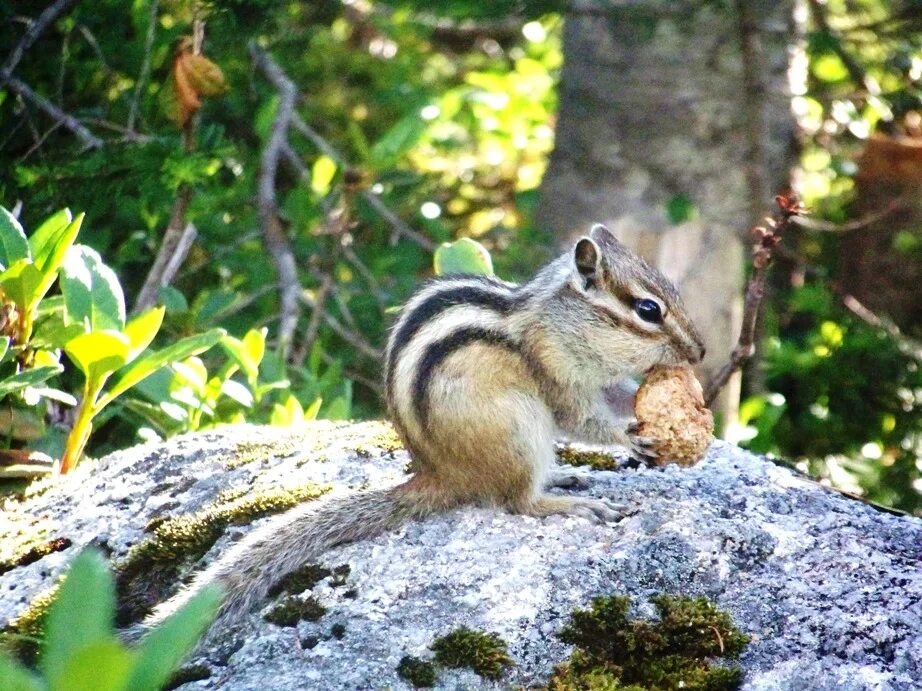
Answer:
x=80 y=649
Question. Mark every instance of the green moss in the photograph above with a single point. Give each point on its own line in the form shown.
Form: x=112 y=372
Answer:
x=186 y=674
x=420 y=673
x=338 y=631
x=253 y=451
x=150 y=572
x=22 y=636
x=597 y=460
x=615 y=652
x=376 y=437
x=34 y=553
x=291 y=610
x=340 y=574
x=298 y=581
x=485 y=653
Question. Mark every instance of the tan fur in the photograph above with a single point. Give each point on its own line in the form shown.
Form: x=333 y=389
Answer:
x=508 y=368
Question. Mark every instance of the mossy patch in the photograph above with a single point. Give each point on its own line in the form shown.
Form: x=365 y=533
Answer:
x=34 y=553
x=420 y=673
x=485 y=653
x=597 y=460
x=675 y=652
x=21 y=637
x=150 y=572
x=187 y=674
x=255 y=451
x=376 y=437
x=338 y=631
x=291 y=610
x=308 y=576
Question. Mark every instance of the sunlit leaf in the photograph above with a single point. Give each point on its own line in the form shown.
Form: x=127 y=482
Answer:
x=54 y=251
x=13 y=243
x=20 y=282
x=98 y=353
x=92 y=293
x=464 y=256
x=142 y=329
x=322 y=173
x=149 y=363
x=42 y=238
x=397 y=142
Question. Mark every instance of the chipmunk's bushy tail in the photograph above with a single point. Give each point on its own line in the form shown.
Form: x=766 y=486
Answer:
x=249 y=570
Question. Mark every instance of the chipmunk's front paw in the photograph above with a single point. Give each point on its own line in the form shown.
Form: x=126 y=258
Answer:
x=641 y=448
x=573 y=477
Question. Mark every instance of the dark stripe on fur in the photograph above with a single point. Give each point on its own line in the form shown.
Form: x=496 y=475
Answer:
x=427 y=310
x=439 y=351
x=618 y=321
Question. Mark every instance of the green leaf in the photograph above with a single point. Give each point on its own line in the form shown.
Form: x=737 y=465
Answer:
x=81 y=615
x=254 y=341
x=174 y=301
x=28 y=377
x=54 y=253
x=99 y=666
x=313 y=409
x=92 y=293
x=13 y=243
x=142 y=329
x=322 y=173
x=98 y=353
x=680 y=209
x=247 y=352
x=464 y=256
x=52 y=333
x=147 y=364
x=397 y=141
x=164 y=648
x=43 y=238
x=16 y=677
x=21 y=283
x=4 y=346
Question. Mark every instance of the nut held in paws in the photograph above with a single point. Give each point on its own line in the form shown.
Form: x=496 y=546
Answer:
x=669 y=407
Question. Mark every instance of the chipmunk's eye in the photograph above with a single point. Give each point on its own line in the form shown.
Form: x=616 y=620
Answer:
x=648 y=310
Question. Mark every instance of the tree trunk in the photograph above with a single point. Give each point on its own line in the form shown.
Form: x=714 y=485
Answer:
x=674 y=130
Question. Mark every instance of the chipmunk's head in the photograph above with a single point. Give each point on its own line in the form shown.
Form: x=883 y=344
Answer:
x=636 y=312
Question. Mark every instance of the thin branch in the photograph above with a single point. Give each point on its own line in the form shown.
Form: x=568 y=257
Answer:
x=145 y=65
x=34 y=30
x=313 y=326
x=907 y=345
x=348 y=336
x=172 y=254
x=90 y=140
x=894 y=205
x=276 y=240
x=766 y=238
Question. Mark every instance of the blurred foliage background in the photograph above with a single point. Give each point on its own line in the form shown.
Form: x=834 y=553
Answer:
x=427 y=122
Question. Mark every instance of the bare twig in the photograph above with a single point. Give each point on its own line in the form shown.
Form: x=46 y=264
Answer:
x=894 y=205
x=172 y=254
x=145 y=65
x=907 y=345
x=90 y=140
x=350 y=337
x=313 y=326
x=276 y=240
x=766 y=238
x=35 y=29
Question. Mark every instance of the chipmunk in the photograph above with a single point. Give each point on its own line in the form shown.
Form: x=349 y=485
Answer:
x=480 y=376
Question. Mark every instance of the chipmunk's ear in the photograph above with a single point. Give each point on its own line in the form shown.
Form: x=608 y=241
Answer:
x=603 y=236
x=587 y=257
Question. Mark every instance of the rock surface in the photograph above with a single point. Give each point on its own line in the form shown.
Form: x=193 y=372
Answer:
x=829 y=589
